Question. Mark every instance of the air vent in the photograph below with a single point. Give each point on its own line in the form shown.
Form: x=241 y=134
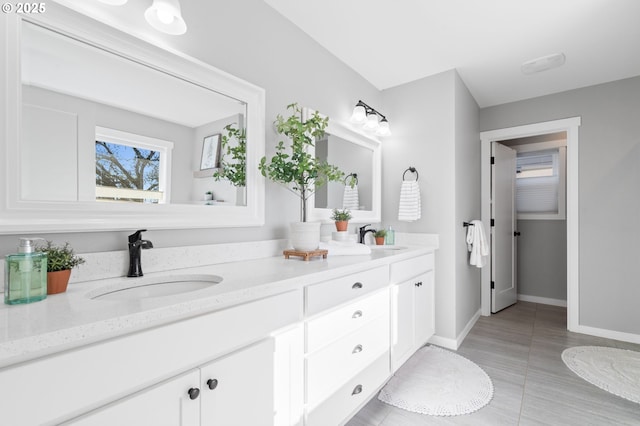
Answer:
x=544 y=63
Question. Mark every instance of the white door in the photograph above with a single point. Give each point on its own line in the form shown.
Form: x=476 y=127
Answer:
x=503 y=277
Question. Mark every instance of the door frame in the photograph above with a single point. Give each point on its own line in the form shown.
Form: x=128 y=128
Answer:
x=570 y=126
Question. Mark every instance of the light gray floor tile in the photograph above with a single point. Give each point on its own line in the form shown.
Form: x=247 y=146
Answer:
x=520 y=349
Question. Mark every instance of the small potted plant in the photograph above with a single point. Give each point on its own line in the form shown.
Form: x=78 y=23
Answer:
x=60 y=261
x=379 y=236
x=341 y=217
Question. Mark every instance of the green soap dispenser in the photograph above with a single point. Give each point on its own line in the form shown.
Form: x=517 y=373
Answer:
x=25 y=275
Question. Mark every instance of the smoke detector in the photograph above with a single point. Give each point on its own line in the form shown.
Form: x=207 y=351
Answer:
x=543 y=63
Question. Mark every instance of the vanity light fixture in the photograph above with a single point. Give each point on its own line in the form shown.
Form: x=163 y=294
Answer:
x=165 y=16
x=370 y=119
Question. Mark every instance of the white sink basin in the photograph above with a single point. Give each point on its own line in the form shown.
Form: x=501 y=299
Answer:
x=146 y=287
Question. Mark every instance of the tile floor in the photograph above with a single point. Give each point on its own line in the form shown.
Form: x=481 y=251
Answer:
x=520 y=349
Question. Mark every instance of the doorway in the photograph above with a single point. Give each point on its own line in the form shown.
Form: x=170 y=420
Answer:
x=570 y=126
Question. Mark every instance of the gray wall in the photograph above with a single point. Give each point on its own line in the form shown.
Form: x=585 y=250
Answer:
x=609 y=181
x=252 y=41
x=467 y=191
x=542 y=258
x=435 y=129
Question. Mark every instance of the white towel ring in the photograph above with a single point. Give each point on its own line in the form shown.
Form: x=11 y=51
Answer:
x=412 y=170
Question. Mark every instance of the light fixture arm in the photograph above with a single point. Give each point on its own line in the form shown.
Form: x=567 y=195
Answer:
x=370 y=110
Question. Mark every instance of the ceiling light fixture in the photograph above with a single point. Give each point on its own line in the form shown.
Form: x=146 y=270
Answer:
x=368 y=117
x=165 y=16
x=543 y=63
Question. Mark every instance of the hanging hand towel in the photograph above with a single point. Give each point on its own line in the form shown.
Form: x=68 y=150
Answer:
x=410 y=208
x=477 y=244
x=350 y=198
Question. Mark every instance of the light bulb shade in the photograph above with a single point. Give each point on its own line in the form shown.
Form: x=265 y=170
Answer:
x=383 y=128
x=359 y=114
x=113 y=2
x=165 y=16
x=372 y=121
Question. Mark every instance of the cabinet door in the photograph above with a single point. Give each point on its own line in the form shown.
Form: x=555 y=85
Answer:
x=238 y=390
x=167 y=404
x=401 y=323
x=423 y=308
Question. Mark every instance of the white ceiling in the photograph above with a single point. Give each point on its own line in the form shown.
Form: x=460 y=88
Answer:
x=394 y=42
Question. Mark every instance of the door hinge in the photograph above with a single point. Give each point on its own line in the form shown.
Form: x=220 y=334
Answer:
x=493 y=285
x=493 y=160
x=493 y=222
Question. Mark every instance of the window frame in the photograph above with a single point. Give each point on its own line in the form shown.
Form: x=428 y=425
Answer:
x=164 y=147
x=562 y=181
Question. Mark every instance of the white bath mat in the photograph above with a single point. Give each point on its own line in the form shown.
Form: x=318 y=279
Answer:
x=438 y=382
x=614 y=370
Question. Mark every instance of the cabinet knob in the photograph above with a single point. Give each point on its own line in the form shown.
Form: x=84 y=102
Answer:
x=356 y=314
x=212 y=383
x=357 y=390
x=419 y=283
x=193 y=393
x=356 y=286
x=357 y=349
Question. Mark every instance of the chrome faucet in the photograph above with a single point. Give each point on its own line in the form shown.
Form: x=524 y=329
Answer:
x=136 y=243
x=363 y=231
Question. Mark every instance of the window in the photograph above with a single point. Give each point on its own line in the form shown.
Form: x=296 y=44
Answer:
x=131 y=168
x=540 y=183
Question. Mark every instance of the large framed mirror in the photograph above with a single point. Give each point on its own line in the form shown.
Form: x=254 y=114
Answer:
x=106 y=131
x=359 y=156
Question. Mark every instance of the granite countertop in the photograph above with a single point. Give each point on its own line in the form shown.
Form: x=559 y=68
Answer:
x=72 y=319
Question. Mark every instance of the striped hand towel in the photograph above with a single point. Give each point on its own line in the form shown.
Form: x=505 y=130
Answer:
x=350 y=198
x=410 y=207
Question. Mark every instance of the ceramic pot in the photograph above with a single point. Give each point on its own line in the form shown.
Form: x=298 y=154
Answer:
x=57 y=281
x=379 y=241
x=342 y=225
x=305 y=236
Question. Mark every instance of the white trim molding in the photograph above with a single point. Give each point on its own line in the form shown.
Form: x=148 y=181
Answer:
x=570 y=126
x=454 y=344
x=542 y=300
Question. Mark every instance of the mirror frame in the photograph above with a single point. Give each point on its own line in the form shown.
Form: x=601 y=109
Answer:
x=43 y=216
x=351 y=134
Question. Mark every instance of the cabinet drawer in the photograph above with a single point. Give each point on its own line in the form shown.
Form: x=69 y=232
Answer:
x=344 y=320
x=346 y=400
x=328 y=294
x=332 y=366
x=406 y=269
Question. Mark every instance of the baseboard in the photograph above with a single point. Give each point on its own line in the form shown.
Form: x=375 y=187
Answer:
x=454 y=344
x=542 y=300
x=608 y=334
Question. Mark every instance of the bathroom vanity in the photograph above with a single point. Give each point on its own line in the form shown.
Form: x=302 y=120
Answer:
x=276 y=342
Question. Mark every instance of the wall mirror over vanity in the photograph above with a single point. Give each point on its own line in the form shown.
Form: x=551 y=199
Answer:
x=359 y=156
x=105 y=131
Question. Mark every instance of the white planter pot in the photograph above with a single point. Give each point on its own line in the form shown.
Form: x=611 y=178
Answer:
x=305 y=236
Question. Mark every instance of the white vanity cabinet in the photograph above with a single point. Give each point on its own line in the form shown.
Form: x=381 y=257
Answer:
x=155 y=368
x=214 y=394
x=413 y=313
x=347 y=344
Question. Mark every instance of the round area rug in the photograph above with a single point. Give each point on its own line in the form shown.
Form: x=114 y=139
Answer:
x=438 y=382
x=614 y=370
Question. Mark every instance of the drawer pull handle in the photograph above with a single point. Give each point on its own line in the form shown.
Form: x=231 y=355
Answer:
x=212 y=383
x=419 y=284
x=357 y=349
x=356 y=286
x=193 y=393
x=356 y=314
x=357 y=390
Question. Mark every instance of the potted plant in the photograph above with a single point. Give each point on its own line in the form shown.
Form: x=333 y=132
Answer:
x=341 y=217
x=60 y=261
x=233 y=156
x=294 y=167
x=379 y=236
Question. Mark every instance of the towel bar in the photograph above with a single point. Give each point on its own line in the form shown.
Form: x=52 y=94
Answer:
x=412 y=170
x=466 y=224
